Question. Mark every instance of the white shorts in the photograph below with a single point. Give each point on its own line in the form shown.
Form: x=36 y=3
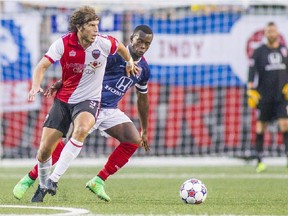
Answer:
x=109 y=118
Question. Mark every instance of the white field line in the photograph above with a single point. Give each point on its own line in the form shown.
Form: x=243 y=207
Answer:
x=175 y=215
x=67 y=211
x=79 y=212
x=171 y=215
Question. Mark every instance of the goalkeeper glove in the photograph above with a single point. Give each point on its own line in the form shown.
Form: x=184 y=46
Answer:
x=285 y=91
x=253 y=97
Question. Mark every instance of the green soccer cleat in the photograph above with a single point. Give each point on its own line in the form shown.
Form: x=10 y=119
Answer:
x=96 y=185
x=261 y=167
x=22 y=186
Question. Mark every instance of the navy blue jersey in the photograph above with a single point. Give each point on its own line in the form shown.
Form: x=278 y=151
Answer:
x=116 y=83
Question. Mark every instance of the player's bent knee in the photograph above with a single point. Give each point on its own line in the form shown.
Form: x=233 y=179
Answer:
x=43 y=156
x=81 y=131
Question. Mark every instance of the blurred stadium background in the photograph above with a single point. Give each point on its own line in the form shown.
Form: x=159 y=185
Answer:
x=199 y=64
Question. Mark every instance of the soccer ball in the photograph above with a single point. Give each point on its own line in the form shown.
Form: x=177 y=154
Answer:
x=193 y=191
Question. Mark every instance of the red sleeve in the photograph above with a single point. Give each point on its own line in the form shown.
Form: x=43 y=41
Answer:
x=50 y=59
x=114 y=44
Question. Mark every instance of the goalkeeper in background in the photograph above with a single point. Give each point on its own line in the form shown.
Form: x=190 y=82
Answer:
x=267 y=88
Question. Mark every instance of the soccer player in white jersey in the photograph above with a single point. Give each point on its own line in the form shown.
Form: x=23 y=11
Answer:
x=83 y=56
x=111 y=120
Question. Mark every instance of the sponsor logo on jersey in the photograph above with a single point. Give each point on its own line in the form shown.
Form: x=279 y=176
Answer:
x=124 y=83
x=83 y=68
x=96 y=53
x=274 y=58
x=275 y=62
x=75 y=67
x=113 y=90
x=89 y=71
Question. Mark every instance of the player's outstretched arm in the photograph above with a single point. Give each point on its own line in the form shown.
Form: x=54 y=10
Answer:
x=131 y=67
x=38 y=75
x=143 y=111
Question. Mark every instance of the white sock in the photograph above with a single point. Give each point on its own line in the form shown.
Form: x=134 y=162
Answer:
x=44 y=171
x=68 y=154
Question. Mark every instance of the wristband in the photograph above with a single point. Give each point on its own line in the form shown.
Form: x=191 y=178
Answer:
x=130 y=62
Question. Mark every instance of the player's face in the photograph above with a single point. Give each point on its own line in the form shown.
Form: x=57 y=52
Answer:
x=140 y=43
x=89 y=31
x=271 y=33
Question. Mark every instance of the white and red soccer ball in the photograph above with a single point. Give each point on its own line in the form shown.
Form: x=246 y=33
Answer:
x=193 y=191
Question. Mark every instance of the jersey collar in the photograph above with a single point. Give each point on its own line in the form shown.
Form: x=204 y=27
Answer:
x=73 y=39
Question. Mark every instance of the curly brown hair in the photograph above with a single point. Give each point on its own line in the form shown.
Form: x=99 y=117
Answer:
x=82 y=16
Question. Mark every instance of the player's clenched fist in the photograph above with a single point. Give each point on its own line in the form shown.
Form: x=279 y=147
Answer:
x=253 y=98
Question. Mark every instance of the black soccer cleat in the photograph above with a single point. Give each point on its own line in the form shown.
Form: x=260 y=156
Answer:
x=51 y=187
x=39 y=194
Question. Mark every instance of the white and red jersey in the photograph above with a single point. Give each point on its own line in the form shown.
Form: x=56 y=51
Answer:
x=82 y=70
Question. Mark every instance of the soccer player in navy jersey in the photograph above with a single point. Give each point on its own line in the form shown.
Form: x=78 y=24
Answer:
x=111 y=120
x=269 y=65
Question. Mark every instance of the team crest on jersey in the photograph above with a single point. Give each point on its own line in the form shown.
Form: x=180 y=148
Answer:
x=283 y=51
x=96 y=53
x=72 y=53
